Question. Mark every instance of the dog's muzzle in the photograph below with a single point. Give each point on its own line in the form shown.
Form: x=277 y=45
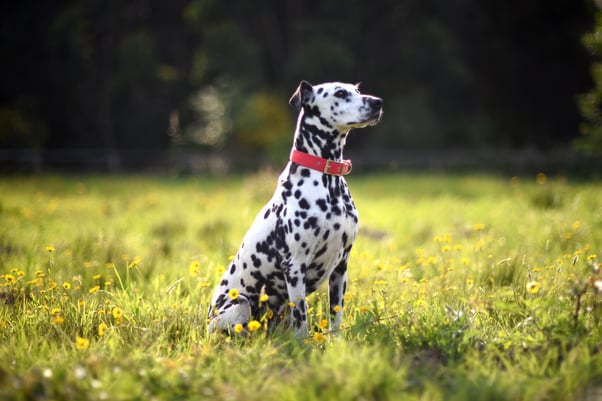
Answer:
x=375 y=105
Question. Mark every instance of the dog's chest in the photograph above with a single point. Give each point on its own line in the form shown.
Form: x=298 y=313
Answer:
x=318 y=220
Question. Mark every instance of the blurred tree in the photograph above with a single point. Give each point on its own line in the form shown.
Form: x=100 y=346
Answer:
x=264 y=126
x=106 y=74
x=590 y=104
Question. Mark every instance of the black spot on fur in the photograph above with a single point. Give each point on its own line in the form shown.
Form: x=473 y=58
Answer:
x=322 y=204
x=322 y=251
x=311 y=222
x=304 y=204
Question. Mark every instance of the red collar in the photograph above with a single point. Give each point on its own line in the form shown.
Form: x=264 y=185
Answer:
x=324 y=165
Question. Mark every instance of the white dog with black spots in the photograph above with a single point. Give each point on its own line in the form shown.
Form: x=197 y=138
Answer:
x=304 y=234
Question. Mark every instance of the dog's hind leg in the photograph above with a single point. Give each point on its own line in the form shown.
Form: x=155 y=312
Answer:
x=238 y=312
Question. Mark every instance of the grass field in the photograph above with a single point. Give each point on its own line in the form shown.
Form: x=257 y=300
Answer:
x=461 y=288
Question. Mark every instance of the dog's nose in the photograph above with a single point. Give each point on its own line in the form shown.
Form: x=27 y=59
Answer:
x=375 y=103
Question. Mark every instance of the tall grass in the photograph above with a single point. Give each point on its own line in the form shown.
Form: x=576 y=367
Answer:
x=460 y=288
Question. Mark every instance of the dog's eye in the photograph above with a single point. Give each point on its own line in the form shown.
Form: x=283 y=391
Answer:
x=341 y=93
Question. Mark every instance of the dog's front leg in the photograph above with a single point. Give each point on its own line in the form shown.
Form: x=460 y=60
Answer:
x=337 y=285
x=295 y=285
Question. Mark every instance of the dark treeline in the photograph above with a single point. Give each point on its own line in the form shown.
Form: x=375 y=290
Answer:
x=150 y=74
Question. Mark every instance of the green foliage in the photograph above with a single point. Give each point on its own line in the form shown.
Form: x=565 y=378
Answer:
x=460 y=288
x=80 y=75
x=264 y=124
x=590 y=103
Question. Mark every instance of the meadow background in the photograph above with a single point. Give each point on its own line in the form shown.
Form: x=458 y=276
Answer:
x=475 y=275
x=461 y=287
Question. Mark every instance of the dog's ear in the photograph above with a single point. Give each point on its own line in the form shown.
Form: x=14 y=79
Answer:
x=357 y=86
x=302 y=95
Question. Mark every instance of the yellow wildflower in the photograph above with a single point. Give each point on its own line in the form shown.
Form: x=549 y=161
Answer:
x=323 y=324
x=264 y=298
x=50 y=248
x=94 y=289
x=82 y=343
x=254 y=325
x=238 y=328
x=478 y=227
x=55 y=311
x=102 y=328
x=117 y=315
x=336 y=309
x=135 y=262
x=319 y=338
x=58 y=320
x=193 y=269
x=533 y=287
x=233 y=293
x=67 y=285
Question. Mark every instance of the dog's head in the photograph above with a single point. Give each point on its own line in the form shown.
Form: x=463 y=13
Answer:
x=341 y=105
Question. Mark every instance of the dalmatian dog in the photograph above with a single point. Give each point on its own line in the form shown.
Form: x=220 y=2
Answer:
x=304 y=234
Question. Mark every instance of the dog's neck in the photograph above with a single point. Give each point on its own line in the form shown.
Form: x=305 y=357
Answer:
x=315 y=136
